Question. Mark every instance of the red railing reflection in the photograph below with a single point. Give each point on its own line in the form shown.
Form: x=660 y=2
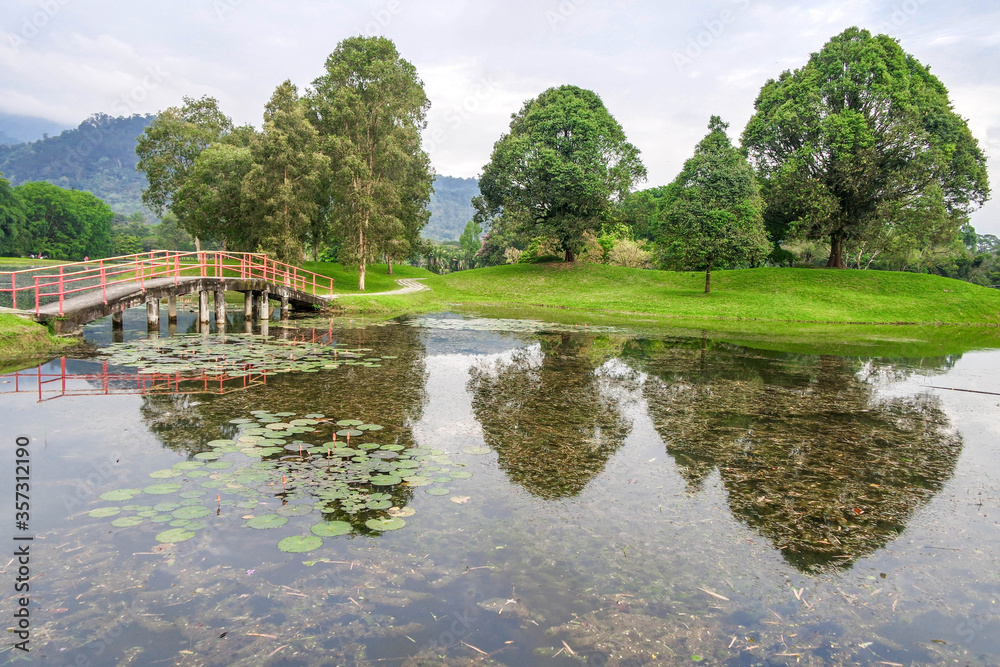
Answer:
x=50 y=385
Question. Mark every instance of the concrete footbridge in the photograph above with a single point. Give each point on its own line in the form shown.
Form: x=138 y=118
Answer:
x=70 y=295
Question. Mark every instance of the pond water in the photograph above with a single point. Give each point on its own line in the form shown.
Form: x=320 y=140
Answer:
x=503 y=492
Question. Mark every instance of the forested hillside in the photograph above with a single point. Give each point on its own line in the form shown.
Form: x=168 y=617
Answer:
x=450 y=207
x=98 y=156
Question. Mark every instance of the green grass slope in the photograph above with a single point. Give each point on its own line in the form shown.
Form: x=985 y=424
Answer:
x=376 y=277
x=770 y=294
x=23 y=341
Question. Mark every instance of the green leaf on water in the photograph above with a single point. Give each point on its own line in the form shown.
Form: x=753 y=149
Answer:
x=350 y=432
x=127 y=521
x=103 y=512
x=385 y=480
x=298 y=544
x=162 y=489
x=165 y=474
x=395 y=523
x=438 y=491
x=331 y=528
x=265 y=521
x=476 y=450
x=174 y=535
x=369 y=427
x=192 y=512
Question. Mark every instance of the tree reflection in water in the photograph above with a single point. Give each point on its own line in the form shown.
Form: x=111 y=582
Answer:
x=809 y=455
x=545 y=414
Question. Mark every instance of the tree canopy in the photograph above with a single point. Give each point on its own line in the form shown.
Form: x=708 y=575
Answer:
x=169 y=147
x=559 y=170
x=862 y=141
x=64 y=224
x=715 y=219
x=369 y=109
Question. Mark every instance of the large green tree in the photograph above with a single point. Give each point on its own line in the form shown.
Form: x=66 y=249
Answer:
x=169 y=147
x=12 y=232
x=560 y=169
x=860 y=139
x=369 y=109
x=287 y=178
x=716 y=218
x=65 y=224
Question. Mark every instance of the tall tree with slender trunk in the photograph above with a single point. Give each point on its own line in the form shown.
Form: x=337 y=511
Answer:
x=369 y=109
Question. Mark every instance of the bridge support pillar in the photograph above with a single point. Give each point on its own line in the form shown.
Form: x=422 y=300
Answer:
x=220 y=309
x=153 y=315
x=172 y=309
x=284 y=307
x=265 y=306
x=203 y=307
x=117 y=320
x=248 y=306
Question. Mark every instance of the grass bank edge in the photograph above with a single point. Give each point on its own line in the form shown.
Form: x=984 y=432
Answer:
x=24 y=343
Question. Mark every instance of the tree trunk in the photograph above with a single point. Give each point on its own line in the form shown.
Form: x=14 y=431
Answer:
x=388 y=260
x=361 y=255
x=197 y=244
x=708 y=279
x=836 y=260
x=570 y=257
x=315 y=250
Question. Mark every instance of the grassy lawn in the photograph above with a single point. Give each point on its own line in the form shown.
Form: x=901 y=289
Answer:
x=376 y=277
x=764 y=295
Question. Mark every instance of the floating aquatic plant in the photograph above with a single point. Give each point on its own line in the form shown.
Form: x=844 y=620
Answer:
x=356 y=485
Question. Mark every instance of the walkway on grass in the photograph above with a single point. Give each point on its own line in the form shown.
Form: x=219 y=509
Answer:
x=409 y=285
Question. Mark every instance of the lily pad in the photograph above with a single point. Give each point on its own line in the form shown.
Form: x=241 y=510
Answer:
x=386 y=480
x=162 y=489
x=395 y=523
x=331 y=528
x=266 y=521
x=438 y=491
x=192 y=512
x=174 y=535
x=476 y=450
x=104 y=512
x=165 y=474
x=350 y=422
x=298 y=544
x=127 y=521
x=369 y=427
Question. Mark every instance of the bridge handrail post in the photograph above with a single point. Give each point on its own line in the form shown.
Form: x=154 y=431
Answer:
x=37 y=299
x=177 y=267
x=61 y=289
x=13 y=288
x=104 y=284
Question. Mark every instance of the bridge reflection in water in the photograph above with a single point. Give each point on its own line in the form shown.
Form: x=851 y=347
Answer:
x=48 y=383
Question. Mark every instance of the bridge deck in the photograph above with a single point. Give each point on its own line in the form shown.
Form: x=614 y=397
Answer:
x=87 y=307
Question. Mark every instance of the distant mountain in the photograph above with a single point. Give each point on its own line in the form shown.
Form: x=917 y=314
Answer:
x=98 y=156
x=450 y=207
x=20 y=129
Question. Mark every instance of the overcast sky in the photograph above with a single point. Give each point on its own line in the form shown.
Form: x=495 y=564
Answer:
x=662 y=68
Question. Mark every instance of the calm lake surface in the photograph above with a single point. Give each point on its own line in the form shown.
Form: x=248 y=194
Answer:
x=503 y=492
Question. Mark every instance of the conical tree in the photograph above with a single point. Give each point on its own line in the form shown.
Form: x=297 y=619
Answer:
x=716 y=219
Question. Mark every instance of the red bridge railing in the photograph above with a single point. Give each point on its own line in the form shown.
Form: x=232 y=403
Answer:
x=49 y=385
x=33 y=288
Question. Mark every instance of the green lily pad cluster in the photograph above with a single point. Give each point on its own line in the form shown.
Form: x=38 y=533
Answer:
x=236 y=355
x=278 y=468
